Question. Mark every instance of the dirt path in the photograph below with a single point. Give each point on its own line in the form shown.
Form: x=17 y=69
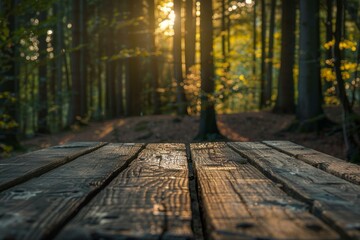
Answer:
x=249 y=126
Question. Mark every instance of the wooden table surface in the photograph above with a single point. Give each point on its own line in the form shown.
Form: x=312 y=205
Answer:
x=247 y=190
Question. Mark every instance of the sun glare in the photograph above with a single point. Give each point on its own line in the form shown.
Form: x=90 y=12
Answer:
x=166 y=24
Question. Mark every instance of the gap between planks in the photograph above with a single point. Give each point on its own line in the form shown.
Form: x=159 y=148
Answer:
x=197 y=222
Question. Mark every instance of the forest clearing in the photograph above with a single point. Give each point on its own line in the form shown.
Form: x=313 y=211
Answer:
x=246 y=126
x=221 y=66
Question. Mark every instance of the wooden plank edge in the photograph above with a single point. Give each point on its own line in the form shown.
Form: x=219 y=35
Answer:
x=197 y=222
x=92 y=194
x=322 y=166
x=313 y=209
x=46 y=168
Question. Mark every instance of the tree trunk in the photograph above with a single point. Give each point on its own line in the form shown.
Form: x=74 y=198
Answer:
x=155 y=96
x=208 y=129
x=10 y=85
x=263 y=54
x=309 y=112
x=223 y=30
x=269 y=67
x=285 y=102
x=79 y=103
x=59 y=62
x=351 y=124
x=134 y=81
x=254 y=41
x=43 y=80
x=177 y=53
x=190 y=35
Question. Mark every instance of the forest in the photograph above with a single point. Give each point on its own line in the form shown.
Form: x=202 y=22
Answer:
x=66 y=63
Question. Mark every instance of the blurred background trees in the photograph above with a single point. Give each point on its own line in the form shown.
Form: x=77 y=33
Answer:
x=65 y=62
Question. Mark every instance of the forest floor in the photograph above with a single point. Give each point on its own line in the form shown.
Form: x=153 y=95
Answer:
x=246 y=126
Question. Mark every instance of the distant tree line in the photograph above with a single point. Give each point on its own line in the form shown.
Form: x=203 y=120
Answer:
x=65 y=62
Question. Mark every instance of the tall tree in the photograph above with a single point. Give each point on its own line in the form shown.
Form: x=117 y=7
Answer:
x=155 y=96
x=270 y=56
x=78 y=64
x=285 y=101
x=43 y=79
x=309 y=112
x=208 y=129
x=190 y=35
x=59 y=53
x=254 y=41
x=263 y=54
x=178 y=73
x=109 y=42
x=351 y=122
x=134 y=81
x=9 y=85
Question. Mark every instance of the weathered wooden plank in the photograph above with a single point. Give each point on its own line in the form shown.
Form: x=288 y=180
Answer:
x=149 y=200
x=19 y=169
x=330 y=164
x=333 y=199
x=37 y=208
x=239 y=202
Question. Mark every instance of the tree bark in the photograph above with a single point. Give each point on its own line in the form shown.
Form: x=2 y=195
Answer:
x=9 y=83
x=208 y=129
x=309 y=112
x=263 y=54
x=285 y=102
x=177 y=56
x=254 y=41
x=43 y=80
x=134 y=81
x=190 y=35
x=155 y=96
x=270 y=56
x=59 y=62
x=351 y=124
x=78 y=70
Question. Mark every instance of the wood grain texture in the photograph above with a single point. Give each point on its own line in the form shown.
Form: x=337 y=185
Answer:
x=239 y=202
x=37 y=208
x=333 y=199
x=22 y=168
x=330 y=164
x=149 y=200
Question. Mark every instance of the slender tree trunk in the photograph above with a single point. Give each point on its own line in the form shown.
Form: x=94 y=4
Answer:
x=134 y=81
x=208 y=129
x=177 y=53
x=263 y=54
x=43 y=80
x=10 y=84
x=223 y=30
x=254 y=41
x=155 y=96
x=190 y=35
x=309 y=112
x=351 y=124
x=59 y=62
x=329 y=37
x=269 y=67
x=78 y=63
x=285 y=102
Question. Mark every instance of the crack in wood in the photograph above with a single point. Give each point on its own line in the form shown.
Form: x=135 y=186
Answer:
x=197 y=221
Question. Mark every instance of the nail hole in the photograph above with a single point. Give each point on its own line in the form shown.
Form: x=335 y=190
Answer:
x=245 y=225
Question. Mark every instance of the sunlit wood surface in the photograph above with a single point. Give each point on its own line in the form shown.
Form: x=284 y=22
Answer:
x=237 y=190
